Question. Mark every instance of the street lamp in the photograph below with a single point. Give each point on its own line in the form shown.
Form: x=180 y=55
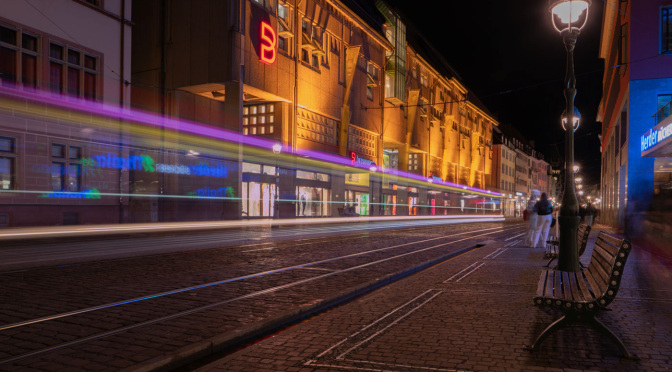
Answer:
x=576 y=168
x=277 y=148
x=568 y=17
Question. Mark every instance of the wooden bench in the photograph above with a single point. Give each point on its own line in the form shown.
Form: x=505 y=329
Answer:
x=581 y=295
x=553 y=246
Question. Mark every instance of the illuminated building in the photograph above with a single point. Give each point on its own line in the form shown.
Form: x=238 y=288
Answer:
x=504 y=161
x=328 y=77
x=636 y=44
x=331 y=77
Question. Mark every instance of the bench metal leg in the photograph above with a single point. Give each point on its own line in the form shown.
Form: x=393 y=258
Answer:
x=591 y=321
x=562 y=322
x=607 y=332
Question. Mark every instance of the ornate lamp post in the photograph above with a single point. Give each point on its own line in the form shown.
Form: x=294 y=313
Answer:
x=569 y=17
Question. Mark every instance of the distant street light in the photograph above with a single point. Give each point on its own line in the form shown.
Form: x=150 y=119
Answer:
x=568 y=17
x=576 y=168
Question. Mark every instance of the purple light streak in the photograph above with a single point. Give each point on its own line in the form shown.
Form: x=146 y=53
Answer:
x=186 y=126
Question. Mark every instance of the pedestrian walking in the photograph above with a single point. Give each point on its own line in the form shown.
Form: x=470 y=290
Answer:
x=590 y=214
x=544 y=210
x=531 y=217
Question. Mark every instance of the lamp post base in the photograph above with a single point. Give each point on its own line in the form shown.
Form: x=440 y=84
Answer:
x=568 y=255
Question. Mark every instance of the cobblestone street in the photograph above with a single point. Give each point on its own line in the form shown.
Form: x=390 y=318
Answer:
x=450 y=318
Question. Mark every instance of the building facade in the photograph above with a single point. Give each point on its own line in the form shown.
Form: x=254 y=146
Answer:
x=43 y=150
x=212 y=87
x=504 y=166
x=636 y=44
x=341 y=81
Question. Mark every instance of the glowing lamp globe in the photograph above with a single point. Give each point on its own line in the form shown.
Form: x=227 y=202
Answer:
x=569 y=14
x=576 y=118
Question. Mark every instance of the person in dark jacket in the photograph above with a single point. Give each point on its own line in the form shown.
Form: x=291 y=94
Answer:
x=590 y=214
x=544 y=209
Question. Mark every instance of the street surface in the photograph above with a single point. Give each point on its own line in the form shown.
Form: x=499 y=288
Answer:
x=474 y=313
x=110 y=314
x=440 y=298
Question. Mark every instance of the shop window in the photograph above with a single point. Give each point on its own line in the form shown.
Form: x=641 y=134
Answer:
x=269 y=5
x=7 y=163
x=259 y=119
x=424 y=79
x=18 y=58
x=73 y=71
x=663 y=106
x=666 y=30
x=285 y=26
x=66 y=165
x=413 y=161
x=315 y=176
x=312 y=201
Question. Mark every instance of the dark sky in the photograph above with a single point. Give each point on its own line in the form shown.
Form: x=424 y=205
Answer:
x=508 y=53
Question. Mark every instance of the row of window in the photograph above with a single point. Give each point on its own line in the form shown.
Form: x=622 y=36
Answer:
x=259 y=119
x=507 y=186
x=70 y=69
x=65 y=170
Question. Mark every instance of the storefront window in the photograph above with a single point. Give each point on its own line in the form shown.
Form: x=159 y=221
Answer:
x=412 y=205
x=389 y=205
x=312 y=201
x=359 y=200
x=312 y=176
x=258 y=199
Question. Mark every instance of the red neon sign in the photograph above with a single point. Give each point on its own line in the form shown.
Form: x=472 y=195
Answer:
x=267 y=52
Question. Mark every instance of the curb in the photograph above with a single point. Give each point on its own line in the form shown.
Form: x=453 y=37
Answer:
x=202 y=349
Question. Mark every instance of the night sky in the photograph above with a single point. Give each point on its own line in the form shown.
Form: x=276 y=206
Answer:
x=511 y=57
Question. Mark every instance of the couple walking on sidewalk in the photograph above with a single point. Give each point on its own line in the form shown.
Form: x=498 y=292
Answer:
x=539 y=218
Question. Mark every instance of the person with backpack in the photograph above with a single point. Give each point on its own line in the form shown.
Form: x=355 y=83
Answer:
x=544 y=209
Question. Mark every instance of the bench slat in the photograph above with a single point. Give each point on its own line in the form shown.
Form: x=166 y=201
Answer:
x=602 y=258
x=573 y=280
x=550 y=281
x=583 y=287
x=557 y=286
x=582 y=236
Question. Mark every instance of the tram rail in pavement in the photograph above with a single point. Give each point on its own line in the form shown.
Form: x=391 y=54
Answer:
x=471 y=313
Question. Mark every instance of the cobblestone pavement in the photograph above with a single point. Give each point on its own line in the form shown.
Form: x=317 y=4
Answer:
x=475 y=313
x=228 y=312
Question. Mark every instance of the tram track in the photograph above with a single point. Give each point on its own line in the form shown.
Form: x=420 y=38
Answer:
x=140 y=312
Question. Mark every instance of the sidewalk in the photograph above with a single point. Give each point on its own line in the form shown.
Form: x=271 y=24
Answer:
x=475 y=312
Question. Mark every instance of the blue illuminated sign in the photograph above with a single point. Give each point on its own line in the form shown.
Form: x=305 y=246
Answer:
x=143 y=163
x=217 y=193
x=86 y=194
x=655 y=136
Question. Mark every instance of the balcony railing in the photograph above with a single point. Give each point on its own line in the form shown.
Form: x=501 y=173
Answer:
x=663 y=113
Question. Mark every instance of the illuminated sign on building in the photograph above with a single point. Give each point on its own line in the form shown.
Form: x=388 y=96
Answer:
x=147 y=164
x=86 y=194
x=207 y=192
x=655 y=136
x=269 y=41
x=358 y=160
